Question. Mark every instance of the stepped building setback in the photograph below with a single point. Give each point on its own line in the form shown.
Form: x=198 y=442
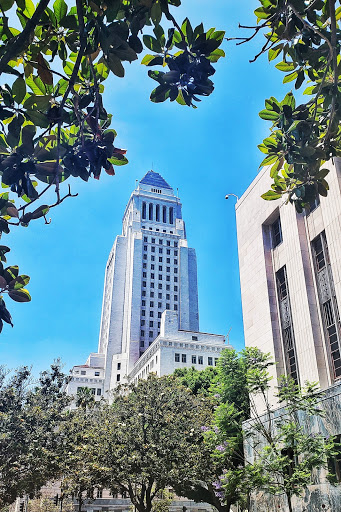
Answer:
x=150 y=317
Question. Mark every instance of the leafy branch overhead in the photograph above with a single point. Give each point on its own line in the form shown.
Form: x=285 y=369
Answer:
x=53 y=121
x=304 y=35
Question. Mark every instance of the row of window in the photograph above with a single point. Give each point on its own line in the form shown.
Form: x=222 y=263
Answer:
x=328 y=307
x=159 y=304
x=152 y=248
x=157 y=229
x=152 y=275
x=160 y=293
x=195 y=358
x=94 y=391
x=151 y=313
x=153 y=241
x=144 y=283
x=158 y=213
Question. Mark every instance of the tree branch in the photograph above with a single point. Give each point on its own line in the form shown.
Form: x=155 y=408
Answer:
x=16 y=47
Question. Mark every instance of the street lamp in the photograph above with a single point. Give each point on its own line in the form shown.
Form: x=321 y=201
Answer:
x=228 y=195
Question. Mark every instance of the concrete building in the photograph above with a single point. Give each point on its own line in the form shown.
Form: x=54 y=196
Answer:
x=150 y=318
x=290 y=275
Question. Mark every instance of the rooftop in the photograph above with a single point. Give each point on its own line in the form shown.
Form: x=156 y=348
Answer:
x=155 y=179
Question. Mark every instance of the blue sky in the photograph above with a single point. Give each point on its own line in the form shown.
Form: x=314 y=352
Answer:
x=206 y=153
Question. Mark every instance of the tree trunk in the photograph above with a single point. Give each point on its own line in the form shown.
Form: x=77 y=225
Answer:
x=289 y=502
x=80 y=502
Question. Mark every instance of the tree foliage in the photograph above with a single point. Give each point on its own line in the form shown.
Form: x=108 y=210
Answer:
x=149 y=438
x=304 y=36
x=57 y=58
x=30 y=442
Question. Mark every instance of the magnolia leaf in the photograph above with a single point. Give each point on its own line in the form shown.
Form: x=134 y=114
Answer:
x=20 y=295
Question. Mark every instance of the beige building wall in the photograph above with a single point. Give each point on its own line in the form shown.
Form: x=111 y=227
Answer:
x=259 y=261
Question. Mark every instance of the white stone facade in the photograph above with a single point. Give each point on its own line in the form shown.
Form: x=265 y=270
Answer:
x=290 y=274
x=150 y=294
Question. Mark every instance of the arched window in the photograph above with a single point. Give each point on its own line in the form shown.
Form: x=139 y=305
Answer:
x=170 y=215
x=150 y=211
x=144 y=212
x=157 y=213
x=164 y=214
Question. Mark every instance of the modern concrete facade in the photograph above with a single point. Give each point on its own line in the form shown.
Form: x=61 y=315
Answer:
x=150 y=297
x=290 y=275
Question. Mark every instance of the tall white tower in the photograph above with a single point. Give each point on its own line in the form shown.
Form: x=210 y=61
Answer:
x=150 y=269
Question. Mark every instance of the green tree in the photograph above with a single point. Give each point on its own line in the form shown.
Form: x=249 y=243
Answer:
x=31 y=415
x=304 y=36
x=220 y=456
x=286 y=451
x=149 y=437
x=81 y=471
x=54 y=124
x=199 y=382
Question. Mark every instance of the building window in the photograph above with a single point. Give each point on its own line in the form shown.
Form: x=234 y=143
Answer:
x=171 y=215
x=153 y=240
x=143 y=303
x=175 y=288
x=158 y=324
x=183 y=358
x=143 y=322
x=150 y=334
x=151 y=303
x=200 y=360
x=210 y=361
x=152 y=294
x=145 y=239
x=118 y=377
x=151 y=314
x=160 y=259
x=161 y=242
x=152 y=266
x=287 y=329
x=175 y=262
x=276 y=232
x=145 y=256
x=160 y=295
x=159 y=305
x=152 y=258
x=99 y=391
x=167 y=287
x=168 y=242
x=167 y=306
x=164 y=214
x=83 y=372
x=93 y=391
x=175 y=270
x=160 y=277
x=168 y=269
x=328 y=303
x=153 y=249
x=167 y=296
x=175 y=253
x=145 y=247
x=160 y=268
x=97 y=374
x=144 y=210
x=215 y=361
x=175 y=279
x=175 y=298
x=152 y=285
x=160 y=250
x=142 y=343
x=160 y=286
x=118 y=366
x=194 y=359
x=168 y=251
x=167 y=278
x=150 y=211
x=175 y=307
x=157 y=213
x=143 y=312
x=194 y=338
x=144 y=274
x=151 y=276
x=159 y=314
x=142 y=333
x=177 y=358
x=144 y=265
